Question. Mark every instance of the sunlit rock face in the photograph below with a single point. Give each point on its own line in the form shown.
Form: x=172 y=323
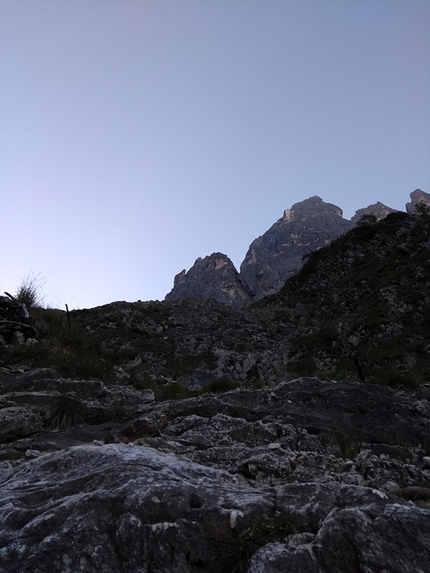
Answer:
x=214 y=277
x=417 y=197
x=278 y=253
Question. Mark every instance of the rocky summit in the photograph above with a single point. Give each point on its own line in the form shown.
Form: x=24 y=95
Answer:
x=214 y=277
x=278 y=253
x=291 y=433
x=275 y=256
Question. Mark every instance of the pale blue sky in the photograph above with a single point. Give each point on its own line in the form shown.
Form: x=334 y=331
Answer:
x=138 y=135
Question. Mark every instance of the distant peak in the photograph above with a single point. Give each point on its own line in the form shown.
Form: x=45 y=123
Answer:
x=313 y=206
x=377 y=210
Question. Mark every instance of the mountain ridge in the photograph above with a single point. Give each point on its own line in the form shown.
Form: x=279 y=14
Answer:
x=277 y=254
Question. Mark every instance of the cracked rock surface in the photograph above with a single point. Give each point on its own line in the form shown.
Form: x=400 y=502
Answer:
x=292 y=478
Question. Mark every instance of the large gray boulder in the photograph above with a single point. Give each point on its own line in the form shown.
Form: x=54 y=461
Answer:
x=278 y=253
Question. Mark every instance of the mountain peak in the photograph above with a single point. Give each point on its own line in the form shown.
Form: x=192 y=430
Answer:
x=377 y=210
x=278 y=254
x=214 y=277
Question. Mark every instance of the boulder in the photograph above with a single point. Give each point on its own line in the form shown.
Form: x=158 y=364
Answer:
x=17 y=422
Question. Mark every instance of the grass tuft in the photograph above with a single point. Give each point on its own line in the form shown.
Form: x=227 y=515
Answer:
x=220 y=385
x=64 y=412
x=30 y=291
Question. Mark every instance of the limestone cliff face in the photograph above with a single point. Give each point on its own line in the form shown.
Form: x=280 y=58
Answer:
x=214 y=277
x=278 y=254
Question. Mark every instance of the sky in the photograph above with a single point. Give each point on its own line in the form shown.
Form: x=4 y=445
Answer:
x=138 y=135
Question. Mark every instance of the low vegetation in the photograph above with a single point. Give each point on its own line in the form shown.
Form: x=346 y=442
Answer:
x=30 y=291
x=236 y=549
x=70 y=349
x=64 y=411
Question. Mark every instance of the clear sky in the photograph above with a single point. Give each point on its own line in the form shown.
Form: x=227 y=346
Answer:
x=138 y=135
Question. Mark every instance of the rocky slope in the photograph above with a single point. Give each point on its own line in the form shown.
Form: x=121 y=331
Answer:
x=357 y=308
x=121 y=449
x=298 y=477
x=363 y=304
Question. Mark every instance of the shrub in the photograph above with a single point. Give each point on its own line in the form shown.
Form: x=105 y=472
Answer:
x=349 y=447
x=397 y=378
x=219 y=385
x=174 y=391
x=236 y=549
x=304 y=366
x=142 y=381
x=367 y=219
x=422 y=209
x=30 y=292
x=72 y=351
x=118 y=411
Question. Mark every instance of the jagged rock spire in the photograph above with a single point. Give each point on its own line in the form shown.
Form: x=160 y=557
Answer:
x=214 y=277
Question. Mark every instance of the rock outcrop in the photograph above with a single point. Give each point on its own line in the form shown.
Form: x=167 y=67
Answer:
x=297 y=477
x=360 y=304
x=278 y=254
x=117 y=508
x=377 y=210
x=214 y=277
x=131 y=456
x=15 y=326
x=417 y=197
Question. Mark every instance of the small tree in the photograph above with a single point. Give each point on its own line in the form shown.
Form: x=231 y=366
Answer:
x=367 y=219
x=422 y=209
